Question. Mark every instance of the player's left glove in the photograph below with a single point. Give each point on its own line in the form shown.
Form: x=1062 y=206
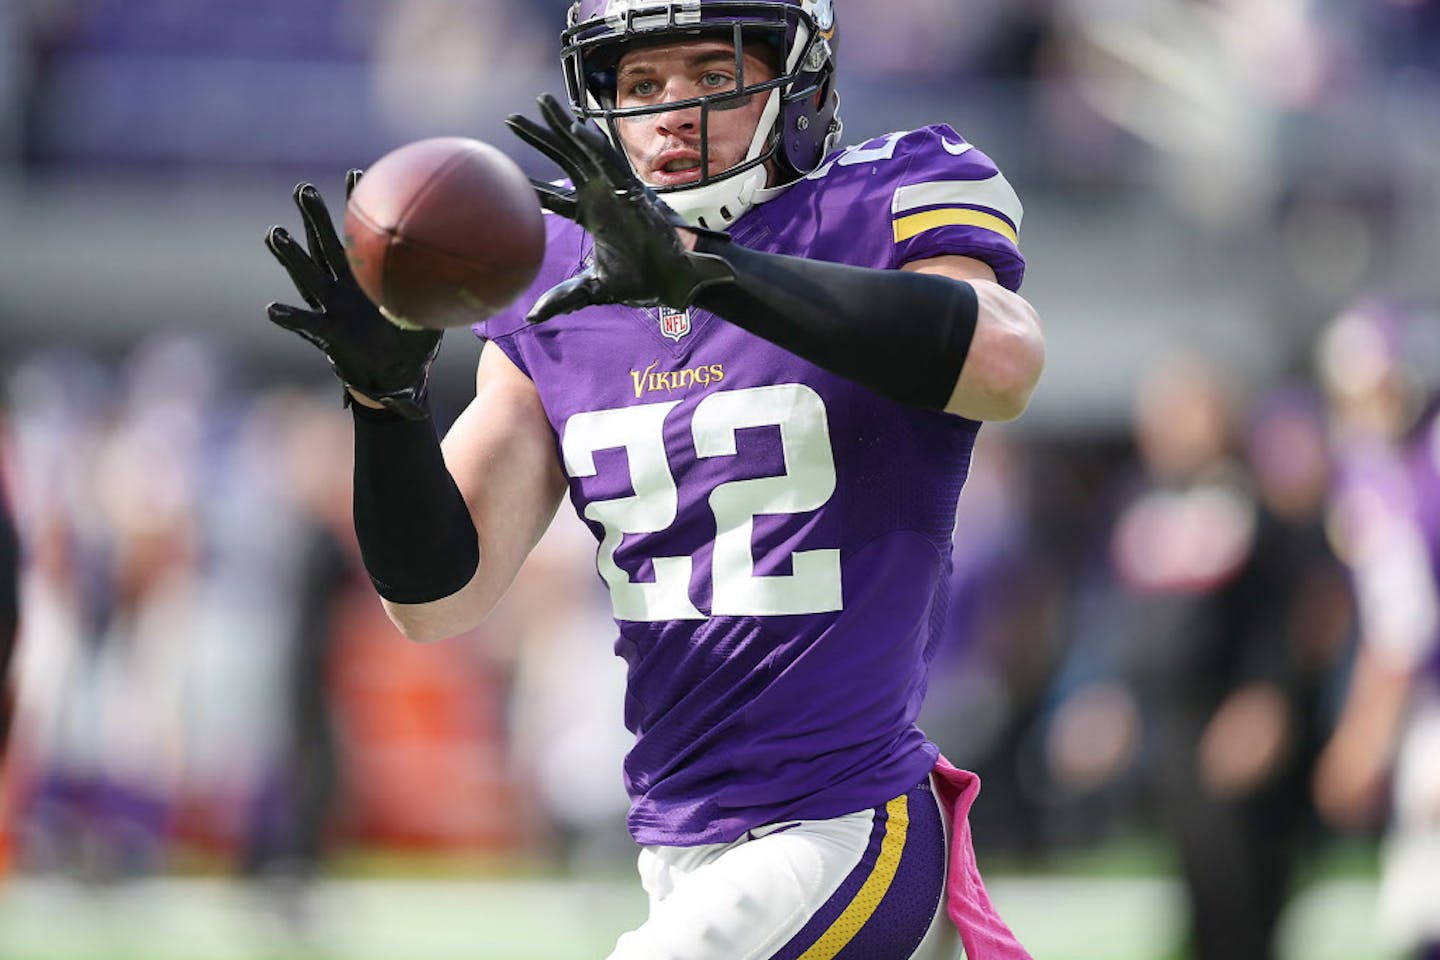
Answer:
x=638 y=259
x=367 y=352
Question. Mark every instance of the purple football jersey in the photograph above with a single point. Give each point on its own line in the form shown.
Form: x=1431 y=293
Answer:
x=776 y=539
x=1424 y=470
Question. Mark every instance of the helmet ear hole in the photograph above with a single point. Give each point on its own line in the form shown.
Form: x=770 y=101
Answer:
x=823 y=93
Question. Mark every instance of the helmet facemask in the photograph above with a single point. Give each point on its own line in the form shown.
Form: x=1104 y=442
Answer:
x=800 y=95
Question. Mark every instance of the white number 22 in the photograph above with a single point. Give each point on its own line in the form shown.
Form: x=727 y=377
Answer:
x=812 y=586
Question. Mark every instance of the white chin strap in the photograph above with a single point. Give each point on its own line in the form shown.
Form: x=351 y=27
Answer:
x=718 y=204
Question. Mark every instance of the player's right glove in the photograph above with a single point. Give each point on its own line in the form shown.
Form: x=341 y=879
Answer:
x=638 y=259
x=368 y=353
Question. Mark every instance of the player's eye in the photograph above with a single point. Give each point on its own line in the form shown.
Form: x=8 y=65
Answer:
x=715 y=80
x=644 y=88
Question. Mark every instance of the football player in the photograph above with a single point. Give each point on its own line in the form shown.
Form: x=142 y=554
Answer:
x=9 y=621
x=756 y=364
x=1377 y=364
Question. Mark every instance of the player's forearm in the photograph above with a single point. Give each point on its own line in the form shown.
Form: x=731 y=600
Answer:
x=498 y=463
x=1377 y=702
x=907 y=336
x=1007 y=354
x=1350 y=774
x=416 y=535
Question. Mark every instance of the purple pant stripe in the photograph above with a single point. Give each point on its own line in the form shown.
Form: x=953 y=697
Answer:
x=900 y=922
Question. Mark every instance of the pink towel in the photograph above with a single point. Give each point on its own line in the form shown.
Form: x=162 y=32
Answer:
x=985 y=935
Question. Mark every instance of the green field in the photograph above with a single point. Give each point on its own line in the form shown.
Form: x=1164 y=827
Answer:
x=1060 y=917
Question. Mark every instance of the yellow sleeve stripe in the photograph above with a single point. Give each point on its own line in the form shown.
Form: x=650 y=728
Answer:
x=862 y=908
x=917 y=223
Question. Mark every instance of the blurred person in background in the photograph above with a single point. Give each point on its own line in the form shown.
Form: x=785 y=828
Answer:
x=1289 y=458
x=49 y=428
x=9 y=628
x=107 y=507
x=9 y=605
x=173 y=690
x=1379 y=363
x=151 y=654
x=776 y=579
x=1222 y=588
x=312 y=727
x=290 y=456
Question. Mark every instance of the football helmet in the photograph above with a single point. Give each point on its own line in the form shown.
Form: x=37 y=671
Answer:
x=798 y=126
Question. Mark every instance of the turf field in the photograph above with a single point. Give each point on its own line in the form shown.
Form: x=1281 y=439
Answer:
x=1059 y=918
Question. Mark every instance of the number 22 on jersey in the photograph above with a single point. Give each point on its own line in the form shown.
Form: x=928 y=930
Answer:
x=812 y=586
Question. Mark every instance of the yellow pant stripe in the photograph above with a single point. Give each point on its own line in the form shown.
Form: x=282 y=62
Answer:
x=858 y=912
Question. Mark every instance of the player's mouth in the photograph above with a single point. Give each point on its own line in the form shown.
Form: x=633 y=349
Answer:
x=675 y=168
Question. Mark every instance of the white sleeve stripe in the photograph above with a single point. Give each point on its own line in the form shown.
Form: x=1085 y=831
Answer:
x=993 y=193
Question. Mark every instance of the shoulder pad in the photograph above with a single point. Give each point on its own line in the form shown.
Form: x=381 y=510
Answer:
x=953 y=200
x=945 y=197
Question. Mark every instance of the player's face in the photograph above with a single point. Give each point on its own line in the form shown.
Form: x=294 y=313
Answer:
x=664 y=147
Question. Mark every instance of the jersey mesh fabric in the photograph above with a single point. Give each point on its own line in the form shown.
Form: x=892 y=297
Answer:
x=752 y=716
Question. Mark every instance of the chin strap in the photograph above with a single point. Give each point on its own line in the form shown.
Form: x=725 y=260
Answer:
x=904 y=335
x=717 y=205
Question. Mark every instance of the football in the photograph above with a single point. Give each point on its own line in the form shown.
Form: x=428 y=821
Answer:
x=443 y=232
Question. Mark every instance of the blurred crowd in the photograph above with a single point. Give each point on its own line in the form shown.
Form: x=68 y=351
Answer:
x=1221 y=628
x=1213 y=622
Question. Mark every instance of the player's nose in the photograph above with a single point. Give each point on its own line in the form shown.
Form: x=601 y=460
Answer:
x=682 y=120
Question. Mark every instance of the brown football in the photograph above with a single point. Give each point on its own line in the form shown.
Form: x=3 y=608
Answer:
x=444 y=232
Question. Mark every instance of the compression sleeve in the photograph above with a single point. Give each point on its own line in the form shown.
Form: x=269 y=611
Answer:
x=903 y=335
x=416 y=536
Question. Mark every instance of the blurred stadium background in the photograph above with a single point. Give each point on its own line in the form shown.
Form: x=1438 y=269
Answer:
x=222 y=750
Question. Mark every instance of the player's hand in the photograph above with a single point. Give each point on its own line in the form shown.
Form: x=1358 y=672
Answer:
x=639 y=260
x=369 y=354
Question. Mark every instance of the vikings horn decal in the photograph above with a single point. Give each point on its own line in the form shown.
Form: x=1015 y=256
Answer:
x=824 y=13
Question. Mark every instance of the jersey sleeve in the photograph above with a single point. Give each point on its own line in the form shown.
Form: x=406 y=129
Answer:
x=952 y=200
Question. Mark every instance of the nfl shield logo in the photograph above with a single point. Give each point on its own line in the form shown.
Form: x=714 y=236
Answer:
x=674 y=323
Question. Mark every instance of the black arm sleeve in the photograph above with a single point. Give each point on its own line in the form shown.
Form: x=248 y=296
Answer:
x=903 y=335
x=416 y=536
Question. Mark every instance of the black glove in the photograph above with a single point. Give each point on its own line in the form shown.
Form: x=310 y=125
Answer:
x=638 y=260
x=368 y=353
